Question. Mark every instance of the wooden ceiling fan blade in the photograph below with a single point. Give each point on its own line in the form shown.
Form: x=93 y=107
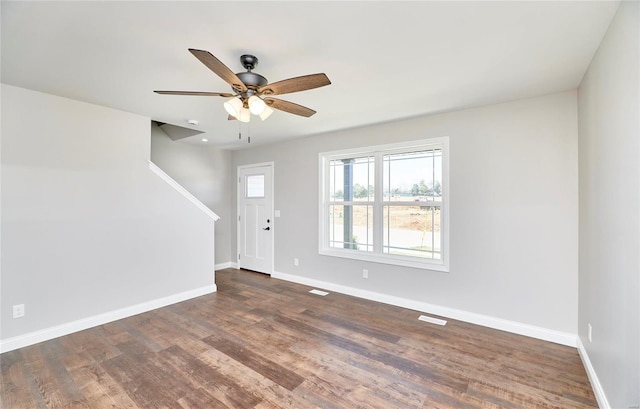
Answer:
x=219 y=69
x=289 y=107
x=196 y=93
x=295 y=84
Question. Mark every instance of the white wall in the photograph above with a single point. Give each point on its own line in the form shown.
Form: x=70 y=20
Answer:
x=203 y=171
x=609 y=152
x=87 y=228
x=514 y=212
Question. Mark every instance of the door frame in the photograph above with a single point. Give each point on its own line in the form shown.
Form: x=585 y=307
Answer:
x=239 y=192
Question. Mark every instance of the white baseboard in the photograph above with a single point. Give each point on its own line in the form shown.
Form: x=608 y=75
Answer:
x=545 y=334
x=46 y=334
x=603 y=403
x=222 y=266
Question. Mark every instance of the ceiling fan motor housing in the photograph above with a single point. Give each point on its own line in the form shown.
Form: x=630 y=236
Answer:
x=251 y=79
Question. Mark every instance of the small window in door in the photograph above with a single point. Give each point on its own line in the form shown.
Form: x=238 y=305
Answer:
x=255 y=186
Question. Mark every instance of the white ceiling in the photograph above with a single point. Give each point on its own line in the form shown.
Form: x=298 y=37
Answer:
x=386 y=60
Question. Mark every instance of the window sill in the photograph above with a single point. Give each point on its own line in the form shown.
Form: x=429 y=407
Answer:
x=435 y=265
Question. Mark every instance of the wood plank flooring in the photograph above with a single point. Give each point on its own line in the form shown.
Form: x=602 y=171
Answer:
x=264 y=343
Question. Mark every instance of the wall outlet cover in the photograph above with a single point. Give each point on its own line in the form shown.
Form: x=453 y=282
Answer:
x=18 y=311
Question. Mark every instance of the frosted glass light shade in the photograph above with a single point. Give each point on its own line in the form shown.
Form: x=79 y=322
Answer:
x=244 y=115
x=266 y=112
x=256 y=105
x=233 y=106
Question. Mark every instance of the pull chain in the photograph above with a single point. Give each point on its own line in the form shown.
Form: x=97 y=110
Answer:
x=248 y=131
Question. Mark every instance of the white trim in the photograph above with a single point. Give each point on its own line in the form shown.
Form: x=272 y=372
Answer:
x=603 y=403
x=396 y=260
x=222 y=266
x=398 y=146
x=377 y=256
x=446 y=186
x=171 y=182
x=46 y=334
x=545 y=334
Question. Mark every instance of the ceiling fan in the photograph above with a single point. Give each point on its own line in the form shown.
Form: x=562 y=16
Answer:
x=251 y=91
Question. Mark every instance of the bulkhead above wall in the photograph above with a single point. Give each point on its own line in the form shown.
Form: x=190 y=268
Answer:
x=176 y=132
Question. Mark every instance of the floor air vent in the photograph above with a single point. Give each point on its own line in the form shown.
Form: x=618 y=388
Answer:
x=432 y=320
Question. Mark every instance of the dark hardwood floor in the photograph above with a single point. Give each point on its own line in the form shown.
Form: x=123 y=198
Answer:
x=265 y=343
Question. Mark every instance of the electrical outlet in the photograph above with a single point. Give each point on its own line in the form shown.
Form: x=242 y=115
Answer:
x=296 y=262
x=589 y=335
x=18 y=311
x=365 y=273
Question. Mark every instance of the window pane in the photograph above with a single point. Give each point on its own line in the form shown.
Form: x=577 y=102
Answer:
x=412 y=231
x=437 y=175
x=255 y=186
x=351 y=179
x=336 y=181
x=351 y=227
x=413 y=176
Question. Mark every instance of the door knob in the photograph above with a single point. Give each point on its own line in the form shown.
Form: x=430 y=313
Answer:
x=266 y=228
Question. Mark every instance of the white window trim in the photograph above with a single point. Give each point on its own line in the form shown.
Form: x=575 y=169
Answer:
x=415 y=262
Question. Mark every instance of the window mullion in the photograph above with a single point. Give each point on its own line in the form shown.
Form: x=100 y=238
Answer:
x=377 y=204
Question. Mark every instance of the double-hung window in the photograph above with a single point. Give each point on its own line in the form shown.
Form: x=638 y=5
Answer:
x=387 y=204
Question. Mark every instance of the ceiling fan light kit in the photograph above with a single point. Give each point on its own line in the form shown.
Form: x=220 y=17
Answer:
x=244 y=115
x=251 y=88
x=233 y=106
x=256 y=105
x=266 y=113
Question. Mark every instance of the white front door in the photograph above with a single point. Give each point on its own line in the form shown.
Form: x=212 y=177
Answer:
x=255 y=218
